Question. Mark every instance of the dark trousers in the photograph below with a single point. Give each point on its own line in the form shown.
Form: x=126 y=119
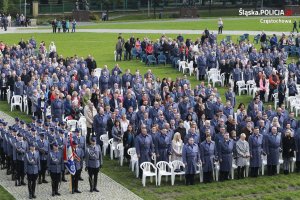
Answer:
x=13 y=168
x=127 y=55
x=75 y=179
x=272 y=170
x=20 y=170
x=54 y=29
x=31 y=183
x=297 y=166
x=240 y=172
x=42 y=172
x=29 y=105
x=38 y=114
x=55 y=180
x=93 y=177
x=226 y=81
x=119 y=54
x=88 y=135
x=295 y=28
x=271 y=92
x=207 y=177
x=3 y=93
x=8 y=164
x=262 y=95
x=220 y=30
x=224 y=175
x=280 y=99
x=254 y=171
x=189 y=179
x=2 y=158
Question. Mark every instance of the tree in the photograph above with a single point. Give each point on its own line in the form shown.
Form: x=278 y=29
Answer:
x=155 y=5
x=5 y=6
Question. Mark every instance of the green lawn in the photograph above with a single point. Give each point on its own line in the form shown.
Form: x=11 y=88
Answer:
x=4 y=195
x=245 y=23
x=101 y=46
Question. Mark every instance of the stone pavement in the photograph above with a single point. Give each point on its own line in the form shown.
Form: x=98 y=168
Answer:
x=144 y=31
x=109 y=189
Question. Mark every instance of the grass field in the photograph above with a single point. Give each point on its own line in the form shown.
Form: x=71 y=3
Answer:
x=101 y=46
x=238 y=23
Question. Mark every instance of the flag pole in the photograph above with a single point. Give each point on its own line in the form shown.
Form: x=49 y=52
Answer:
x=71 y=183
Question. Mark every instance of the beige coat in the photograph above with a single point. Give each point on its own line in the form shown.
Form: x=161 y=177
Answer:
x=89 y=115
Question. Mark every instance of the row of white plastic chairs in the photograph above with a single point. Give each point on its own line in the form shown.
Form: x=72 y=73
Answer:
x=162 y=168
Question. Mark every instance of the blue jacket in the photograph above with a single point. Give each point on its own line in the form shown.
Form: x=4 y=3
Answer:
x=32 y=163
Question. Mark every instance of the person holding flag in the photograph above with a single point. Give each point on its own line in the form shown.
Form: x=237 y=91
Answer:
x=78 y=155
x=93 y=163
x=55 y=167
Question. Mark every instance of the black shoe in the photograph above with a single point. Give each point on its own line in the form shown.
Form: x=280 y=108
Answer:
x=44 y=181
x=30 y=196
x=72 y=191
x=57 y=193
x=95 y=190
x=81 y=179
x=64 y=180
x=77 y=191
x=53 y=194
x=91 y=190
x=23 y=183
x=40 y=181
x=33 y=196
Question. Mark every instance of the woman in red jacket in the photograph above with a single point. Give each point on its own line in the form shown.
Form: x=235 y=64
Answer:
x=273 y=84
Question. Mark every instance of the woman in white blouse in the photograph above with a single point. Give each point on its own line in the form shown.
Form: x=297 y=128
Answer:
x=177 y=145
x=124 y=123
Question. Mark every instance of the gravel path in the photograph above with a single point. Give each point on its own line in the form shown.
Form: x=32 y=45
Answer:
x=109 y=189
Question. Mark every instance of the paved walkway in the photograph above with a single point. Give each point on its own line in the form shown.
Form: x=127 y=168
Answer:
x=109 y=189
x=198 y=32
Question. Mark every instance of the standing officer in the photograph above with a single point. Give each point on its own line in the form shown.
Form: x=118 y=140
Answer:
x=93 y=163
x=2 y=147
x=225 y=150
x=31 y=168
x=273 y=147
x=78 y=160
x=256 y=142
x=55 y=167
x=99 y=125
x=21 y=149
x=190 y=158
x=103 y=81
x=163 y=146
x=57 y=107
x=208 y=152
x=11 y=151
x=43 y=148
x=144 y=147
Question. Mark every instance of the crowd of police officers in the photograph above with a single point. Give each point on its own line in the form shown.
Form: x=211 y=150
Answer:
x=35 y=148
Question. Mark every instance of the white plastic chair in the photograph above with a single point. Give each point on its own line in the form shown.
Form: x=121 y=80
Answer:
x=115 y=56
x=216 y=171
x=104 y=139
x=164 y=169
x=8 y=95
x=72 y=124
x=234 y=166
x=112 y=148
x=177 y=164
x=216 y=78
x=82 y=125
x=264 y=164
x=25 y=102
x=279 y=163
x=200 y=172
x=251 y=85
x=16 y=100
x=182 y=65
x=191 y=67
x=241 y=87
x=147 y=167
x=276 y=100
x=133 y=160
x=120 y=149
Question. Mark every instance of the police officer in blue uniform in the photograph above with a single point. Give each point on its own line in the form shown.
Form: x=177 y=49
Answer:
x=208 y=152
x=43 y=148
x=93 y=161
x=190 y=158
x=21 y=149
x=78 y=160
x=31 y=168
x=55 y=166
x=57 y=107
x=225 y=151
x=273 y=148
x=11 y=151
x=163 y=146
